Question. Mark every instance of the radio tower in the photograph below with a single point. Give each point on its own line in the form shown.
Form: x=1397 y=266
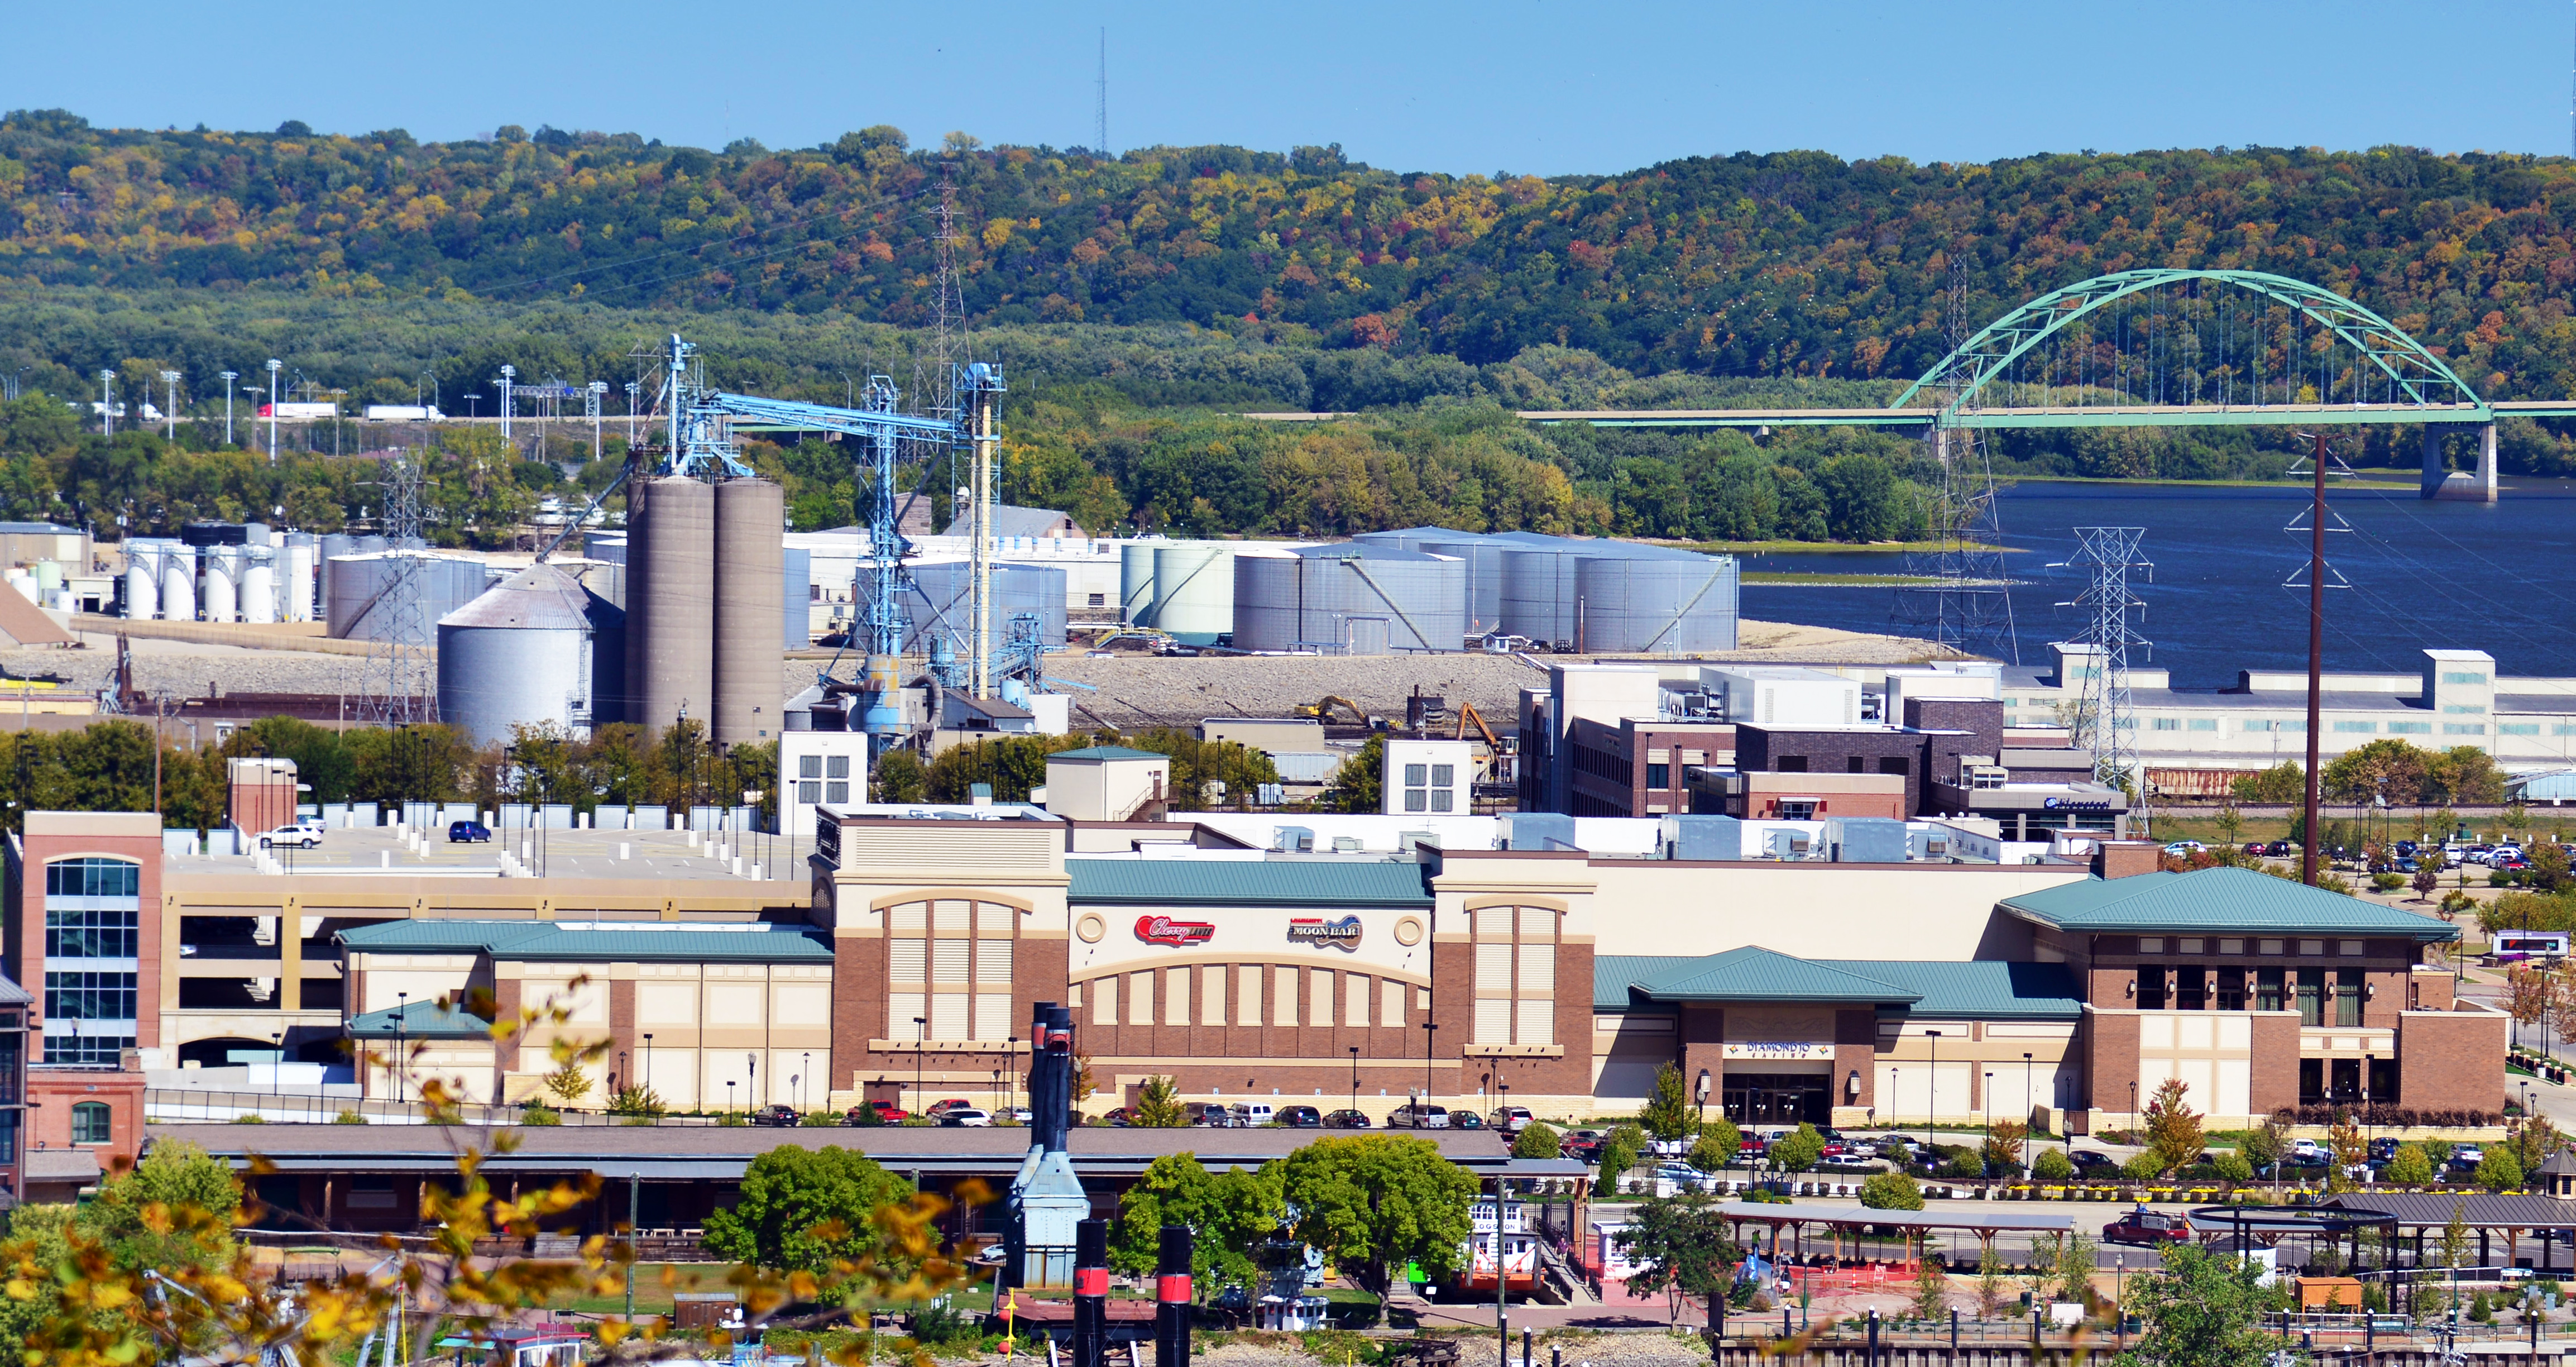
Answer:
x=1966 y=608
x=402 y=676
x=2106 y=720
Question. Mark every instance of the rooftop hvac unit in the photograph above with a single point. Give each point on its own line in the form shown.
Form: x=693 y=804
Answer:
x=1292 y=840
x=1865 y=840
x=1702 y=837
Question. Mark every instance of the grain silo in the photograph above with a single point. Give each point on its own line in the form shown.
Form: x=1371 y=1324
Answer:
x=670 y=562
x=1194 y=592
x=1136 y=583
x=366 y=606
x=1657 y=604
x=750 y=524
x=536 y=649
x=143 y=578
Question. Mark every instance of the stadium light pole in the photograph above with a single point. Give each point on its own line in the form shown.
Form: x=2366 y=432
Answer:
x=229 y=377
x=107 y=403
x=170 y=396
x=274 y=366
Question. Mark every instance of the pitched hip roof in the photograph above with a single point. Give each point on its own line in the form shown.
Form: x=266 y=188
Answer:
x=1984 y=989
x=2217 y=900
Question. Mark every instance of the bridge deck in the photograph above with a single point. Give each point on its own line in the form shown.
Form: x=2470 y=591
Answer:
x=2127 y=415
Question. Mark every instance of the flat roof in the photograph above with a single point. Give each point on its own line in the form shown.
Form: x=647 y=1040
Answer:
x=1299 y=882
x=651 y=857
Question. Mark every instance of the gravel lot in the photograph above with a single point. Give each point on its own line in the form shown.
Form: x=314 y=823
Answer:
x=1131 y=690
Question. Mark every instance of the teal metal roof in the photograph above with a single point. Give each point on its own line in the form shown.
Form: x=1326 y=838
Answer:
x=420 y=1020
x=1985 y=989
x=1108 y=752
x=649 y=943
x=1923 y=989
x=2217 y=900
x=1755 y=974
x=1246 y=883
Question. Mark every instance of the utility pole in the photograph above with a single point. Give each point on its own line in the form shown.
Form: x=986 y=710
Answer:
x=631 y=389
x=107 y=403
x=274 y=366
x=508 y=373
x=170 y=400
x=229 y=377
x=596 y=393
x=2316 y=651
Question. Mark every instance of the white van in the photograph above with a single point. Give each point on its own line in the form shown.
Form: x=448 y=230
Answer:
x=1246 y=1114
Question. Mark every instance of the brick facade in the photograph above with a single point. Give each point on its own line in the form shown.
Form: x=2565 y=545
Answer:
x=2451 y=1060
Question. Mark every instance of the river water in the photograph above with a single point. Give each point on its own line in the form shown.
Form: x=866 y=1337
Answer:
x=2461 y=575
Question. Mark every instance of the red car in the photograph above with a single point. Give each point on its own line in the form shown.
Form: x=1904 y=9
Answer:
x=2148 y=1227
x=888 y=1113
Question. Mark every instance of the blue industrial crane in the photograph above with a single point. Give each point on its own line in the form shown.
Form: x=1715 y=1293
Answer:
x=703 y=422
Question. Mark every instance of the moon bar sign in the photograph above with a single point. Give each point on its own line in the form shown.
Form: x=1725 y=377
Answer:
x=1163 y=930
x=1311 y=930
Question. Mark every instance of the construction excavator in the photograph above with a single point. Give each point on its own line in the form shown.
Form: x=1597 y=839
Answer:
x=1323 y=711
x=1467 y=713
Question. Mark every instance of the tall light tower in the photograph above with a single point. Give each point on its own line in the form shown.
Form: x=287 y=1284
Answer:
x=274 y=365
x=107 y=403
x=229 y=377
x=170 y=405
x=594 y=395
x=508 y=374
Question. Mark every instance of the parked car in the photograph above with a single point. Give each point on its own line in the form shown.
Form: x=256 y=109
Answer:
x=2280 y=849
x=1510 y=1120
x=2092 y=1162
x=1244 y=1115
x=2254 y=848
x=1581 y=1145
x=1415 y=1115
x=2180 y=848
x=939 y=1109
x=1347 y=1120
x=468 y=832
x=1020 y=1114
x=784 y=1117
x=291 y=837
x=1300 y=1117
x=1119 y=1117
x=2149 y=1227
x=1683 y=1176
x=966 y=1117
x=887 y=1113
x=1210 y=1114
x=1466 y=1120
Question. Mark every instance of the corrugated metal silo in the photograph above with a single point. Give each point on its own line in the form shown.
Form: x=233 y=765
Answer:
x=531 y=651
x=1265 y=601
x=1538 y=592
x=178 y=582
x=1136 y=583
x=1657 y=604
x=751 y=521
x=670 y=564
x=1194 y=592
x=1484 y=561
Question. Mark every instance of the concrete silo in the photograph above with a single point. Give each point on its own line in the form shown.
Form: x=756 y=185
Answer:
x=750 y=524
x=536 y=649
x=671 y=580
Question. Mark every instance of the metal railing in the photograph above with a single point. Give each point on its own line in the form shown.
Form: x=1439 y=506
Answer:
x=169 y=1105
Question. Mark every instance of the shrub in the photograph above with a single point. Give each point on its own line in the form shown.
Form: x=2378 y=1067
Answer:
x=2388 y=882
x=2408 y=1167
x=2142 y=1166
x=348 y=1118
x=819 y=1119
x=1536 y=1141
x=250 y=1118
x=732 y=1120
x=2053 y=1165
x=1891 y=1191
x=2234 y=1168
x=539 y=1113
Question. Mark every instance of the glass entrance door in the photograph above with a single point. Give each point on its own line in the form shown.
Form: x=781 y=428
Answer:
x=1778 y=1098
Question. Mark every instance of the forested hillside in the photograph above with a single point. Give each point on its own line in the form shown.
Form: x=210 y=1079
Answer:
x=1788 y=264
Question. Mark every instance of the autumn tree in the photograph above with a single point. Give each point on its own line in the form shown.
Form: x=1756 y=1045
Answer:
x=2174 y=1133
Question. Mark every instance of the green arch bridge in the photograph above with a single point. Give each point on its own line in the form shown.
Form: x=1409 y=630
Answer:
x=2422 y=389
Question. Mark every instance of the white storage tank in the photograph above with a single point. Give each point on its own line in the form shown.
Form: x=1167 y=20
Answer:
x=1194 y=592
x=295 y=576
x=536 y=649
x=218 y=598
x=142 y=579
x=1136 y=583
x=178 y=582
x=259 y=583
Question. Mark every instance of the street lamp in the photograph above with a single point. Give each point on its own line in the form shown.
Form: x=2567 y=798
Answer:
x=1932 y=1087
x=728 y=1096
x=277 y=1063
x=2026 y=1107
x=803 y=1073
x=647 y=1089
x=402 y=1010
x=1355 y=1077
x=1422 y=1111
x=751 y=1067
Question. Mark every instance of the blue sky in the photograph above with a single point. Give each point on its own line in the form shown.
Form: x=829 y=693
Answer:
x=1543 y=86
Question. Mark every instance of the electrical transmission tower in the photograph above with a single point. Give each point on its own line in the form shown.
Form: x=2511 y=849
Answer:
x=1962 y=600
x=2106 y=719
x=402 y=675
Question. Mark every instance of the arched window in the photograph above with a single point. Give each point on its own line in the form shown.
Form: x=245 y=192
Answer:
x=92 y=1123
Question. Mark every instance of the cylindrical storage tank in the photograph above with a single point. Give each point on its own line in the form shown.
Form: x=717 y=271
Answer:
x=371 y=545
x=178 y=582
x=1657 y=605
x=938 y=602
x=1029 y=590
x=330 y=546
x=1410 y=601
x=366 y=606
x=526 y=653
x=796 y=606
x=670 y=569
x=1265 y=601
x=259 y=584
x=142 y=580
x=1484 y=561
x=1194 y=592
x=219 y=597
x=49 y=577
x=1136 y=584
x=295 y=576
x=1538 y=594
x=751 y=574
